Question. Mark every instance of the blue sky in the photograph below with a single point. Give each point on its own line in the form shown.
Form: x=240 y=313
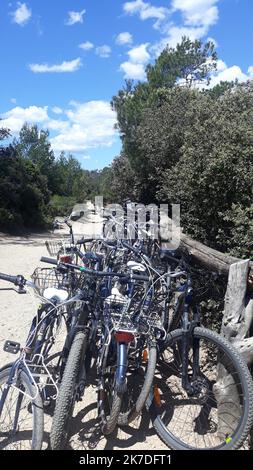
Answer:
x=63 y=60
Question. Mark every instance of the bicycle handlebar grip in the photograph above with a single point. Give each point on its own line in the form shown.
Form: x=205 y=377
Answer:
x=6 y=277
x=53 y=261
x=84 y=240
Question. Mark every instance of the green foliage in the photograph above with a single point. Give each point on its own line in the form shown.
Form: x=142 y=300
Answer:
x=30 y=174
x=33 y=144
x=23 y=194
x=61 y=205
x=212 y=179
x=123 y=182
x=190 y=62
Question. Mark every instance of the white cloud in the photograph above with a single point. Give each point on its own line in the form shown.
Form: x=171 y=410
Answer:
x=250 y=71
x=64 y=67
x=103 y=51
x=22 y=14
x=56 y=125
x=197 y=12
x=133 y=7
x=86 y=46
x=197 y=16
x=229 y=74
x=134 y=68
x=146 y=11
x=124 y=39
x=75 y=17
x=16 y=117
x=133 y=71
x=57 y=110
x=80 y=127
x=139 y=54
x=13 y=100
x=90 y=125
x=221 y=65
x=174 y=36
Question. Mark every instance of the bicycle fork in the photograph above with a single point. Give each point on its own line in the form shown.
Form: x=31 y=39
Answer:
x=188 y=328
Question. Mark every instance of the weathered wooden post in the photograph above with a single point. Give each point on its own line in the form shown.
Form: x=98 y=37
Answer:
x=237 y=319
x=238 y=311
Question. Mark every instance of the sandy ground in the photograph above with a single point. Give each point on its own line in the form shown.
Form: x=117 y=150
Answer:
x=21 y=255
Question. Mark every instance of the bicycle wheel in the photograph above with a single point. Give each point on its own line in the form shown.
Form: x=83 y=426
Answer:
x=67 y=395
x=109 y=399
x=27 y=433
x=139 y=383
x=219 y=412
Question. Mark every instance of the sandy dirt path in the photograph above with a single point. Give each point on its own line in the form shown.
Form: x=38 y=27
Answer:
x=21 y=255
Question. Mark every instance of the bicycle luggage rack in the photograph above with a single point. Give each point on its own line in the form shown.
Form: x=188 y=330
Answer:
x=33 y=376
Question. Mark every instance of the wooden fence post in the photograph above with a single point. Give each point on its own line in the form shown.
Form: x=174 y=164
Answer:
x=238 y=311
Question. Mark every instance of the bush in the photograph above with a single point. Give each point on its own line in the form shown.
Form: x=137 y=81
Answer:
x=61 y=205
x=24 y=195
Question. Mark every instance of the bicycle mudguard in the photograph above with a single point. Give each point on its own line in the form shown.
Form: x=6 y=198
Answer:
x=6 y=366
x=121 y=384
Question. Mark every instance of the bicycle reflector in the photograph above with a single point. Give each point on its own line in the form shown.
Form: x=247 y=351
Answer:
x=124 y=337
x=157 y=396
x=145 y=355
x=65 y=259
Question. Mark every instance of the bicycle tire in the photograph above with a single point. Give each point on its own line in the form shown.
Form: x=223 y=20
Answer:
x=125 y=418
x=239 y=435
x=109 y=418
x=37 y=411
x=66 y=399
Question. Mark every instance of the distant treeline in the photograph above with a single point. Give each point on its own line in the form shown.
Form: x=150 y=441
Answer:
x=35 y=186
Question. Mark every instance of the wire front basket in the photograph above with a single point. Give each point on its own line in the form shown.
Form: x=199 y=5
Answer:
x=45 y=278
x=54 y=247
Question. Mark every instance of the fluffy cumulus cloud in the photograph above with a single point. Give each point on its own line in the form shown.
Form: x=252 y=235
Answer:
x=65 y=67
x=16 y=117
x=133 y=71
x=197 y=12
x=192 y=18
x=103 y=51
x=78 y=128
x=86 y=46
x=229 y=74
x=197 y=18
x=134 y=68
x=22 y=14
x=250 y=71
x=124 y=39
x=90 y=125
x=147 y=11
x=75 y=17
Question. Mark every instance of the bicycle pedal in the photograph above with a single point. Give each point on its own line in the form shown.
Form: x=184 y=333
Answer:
x=11 y=347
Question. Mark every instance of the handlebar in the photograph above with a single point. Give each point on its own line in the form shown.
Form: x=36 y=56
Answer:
x=13 y=279
x=84 y=240
x=18 y=280
x=53 y=261
x=93 y=272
